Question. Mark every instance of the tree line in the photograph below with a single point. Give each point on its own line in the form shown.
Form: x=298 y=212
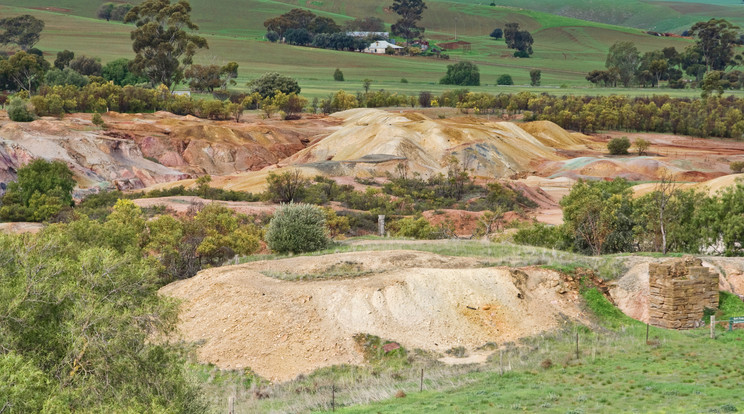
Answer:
x=603 y=217
x=710 y=62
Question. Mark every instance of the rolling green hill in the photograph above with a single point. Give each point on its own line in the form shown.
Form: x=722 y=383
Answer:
x=565 y=48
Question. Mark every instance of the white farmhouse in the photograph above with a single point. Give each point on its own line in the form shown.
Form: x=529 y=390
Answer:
x=380 y=46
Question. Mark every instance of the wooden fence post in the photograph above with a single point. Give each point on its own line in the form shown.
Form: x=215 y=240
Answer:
x=421 y=386
x=231 y=405
x=712 y=326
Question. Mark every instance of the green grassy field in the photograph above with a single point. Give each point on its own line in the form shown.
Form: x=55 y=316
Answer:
x=565 y=48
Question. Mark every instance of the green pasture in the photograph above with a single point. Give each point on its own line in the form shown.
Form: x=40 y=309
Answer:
x=565 y=48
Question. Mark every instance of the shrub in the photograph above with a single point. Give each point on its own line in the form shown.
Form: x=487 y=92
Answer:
x=286 y=187
x=618 y=146
x=403 y=80
x=497 y=33
x=462 y=73
x=505 y=80
x=18 y=111
x=269 y=83
x=542 y=235
x=297 y=228
x=641 y=146
x=737 y=166
x=535 y=77
x=97 y=120
x=338 y=76
x=417 y=228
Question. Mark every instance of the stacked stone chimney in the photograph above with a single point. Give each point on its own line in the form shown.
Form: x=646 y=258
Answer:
x=680 y=290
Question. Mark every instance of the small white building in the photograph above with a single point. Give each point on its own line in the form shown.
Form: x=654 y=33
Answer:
x=380 y=46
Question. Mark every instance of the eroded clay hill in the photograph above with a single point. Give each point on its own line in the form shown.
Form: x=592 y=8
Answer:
x=140 y=150
x=246 y=316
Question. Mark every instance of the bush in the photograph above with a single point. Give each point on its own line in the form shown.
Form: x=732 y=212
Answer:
x=97 y=120
x=641 y=146
x=505 y=80
x=297 y=228
x=737 y=166
x=497 y=33
x=269 y=83
x=338 y=76
x=462 y=73
x=18 y=111
x=618 y=146
x=542 y=235
x=417 y=228
x=535 y=77
x=272 y=36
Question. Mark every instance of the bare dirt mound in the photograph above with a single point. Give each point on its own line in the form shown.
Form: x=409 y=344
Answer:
x=280 y=329
x=376 y=141
x=140 y=150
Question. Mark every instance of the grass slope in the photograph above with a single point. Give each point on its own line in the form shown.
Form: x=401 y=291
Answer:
x=678 y=371
x=566 y=48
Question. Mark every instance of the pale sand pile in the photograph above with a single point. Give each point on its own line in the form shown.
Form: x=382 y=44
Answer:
x=280 y=329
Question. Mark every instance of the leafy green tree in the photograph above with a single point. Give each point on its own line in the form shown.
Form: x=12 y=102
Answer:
x=87 y=66
x=597 y=215
x=297 y=228
x=269 y=83
x=41 y=190
x=299 y=37
x=505 y=79
x=641 y=146
x=300 y=19
x=286 y=187
x=120 y=11
x=462 y=73
x=716 y=40
x=63 y=59
x=366 y=83
x=203 y=78
x=18 y=111
x=618 y=146
x=535 y=77
x=24 y=70
x=24 y=31
x=712 y=83
x=78 y=323
x=497 y=33
x=118 y=71
x=410 y=12
x=625 y=58
x=162 y=41
x=104 y=11
x=338 y=76
x=521 y=40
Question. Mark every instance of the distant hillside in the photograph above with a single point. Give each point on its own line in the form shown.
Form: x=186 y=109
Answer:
x=565 y=48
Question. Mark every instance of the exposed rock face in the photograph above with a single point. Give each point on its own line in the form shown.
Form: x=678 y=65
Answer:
x=680 y=290
x=141 y=150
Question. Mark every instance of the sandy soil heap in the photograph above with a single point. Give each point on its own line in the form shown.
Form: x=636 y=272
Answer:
x=280 y=329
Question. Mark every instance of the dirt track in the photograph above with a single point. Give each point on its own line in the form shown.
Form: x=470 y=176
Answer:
x=281 y=329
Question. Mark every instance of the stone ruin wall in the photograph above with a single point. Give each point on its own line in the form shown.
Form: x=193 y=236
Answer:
x=680 y=290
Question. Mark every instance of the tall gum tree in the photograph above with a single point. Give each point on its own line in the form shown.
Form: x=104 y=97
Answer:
x=162 y=41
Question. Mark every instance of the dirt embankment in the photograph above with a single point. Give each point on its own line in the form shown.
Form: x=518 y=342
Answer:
x=141 y=150
x=280 y=328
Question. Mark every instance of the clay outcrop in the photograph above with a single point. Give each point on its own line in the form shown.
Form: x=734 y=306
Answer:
x=680 y=290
